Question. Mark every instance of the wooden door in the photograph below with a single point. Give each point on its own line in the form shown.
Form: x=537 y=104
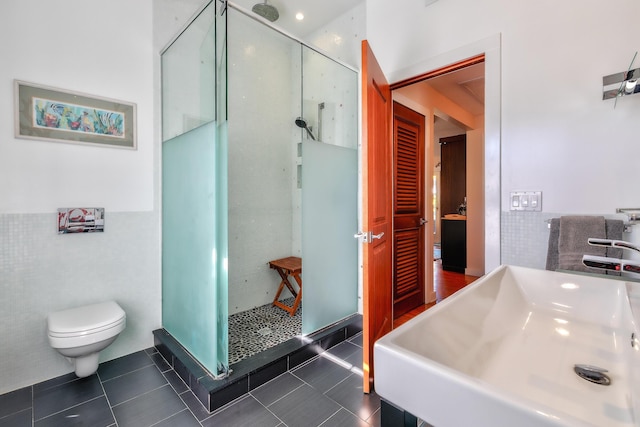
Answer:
x=377 y=209
x=453 y=173
x=408 y=209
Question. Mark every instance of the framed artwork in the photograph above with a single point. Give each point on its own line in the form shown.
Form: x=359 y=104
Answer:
x=51 y=114
x=80 y=220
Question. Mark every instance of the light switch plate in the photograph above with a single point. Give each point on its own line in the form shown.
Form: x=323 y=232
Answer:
x=525 y=201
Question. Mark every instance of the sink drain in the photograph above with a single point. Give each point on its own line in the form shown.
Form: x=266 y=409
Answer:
x=592 y=374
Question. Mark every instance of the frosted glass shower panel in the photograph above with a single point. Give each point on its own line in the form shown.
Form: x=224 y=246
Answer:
x=188 y=83
x=189 y=245
x=330 y=99
x=329 y=221
x=329 y=192
x=194 y=191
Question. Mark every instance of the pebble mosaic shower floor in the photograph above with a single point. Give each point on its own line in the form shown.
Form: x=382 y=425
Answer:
x=253 y=331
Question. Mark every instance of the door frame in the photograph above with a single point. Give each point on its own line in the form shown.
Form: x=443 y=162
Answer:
x=490 y=47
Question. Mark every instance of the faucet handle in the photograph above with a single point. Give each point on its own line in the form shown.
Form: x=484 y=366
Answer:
x=613 y=243
x=593 y=241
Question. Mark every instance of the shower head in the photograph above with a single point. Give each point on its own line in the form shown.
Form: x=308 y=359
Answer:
x=302 y=123
x=266 y=11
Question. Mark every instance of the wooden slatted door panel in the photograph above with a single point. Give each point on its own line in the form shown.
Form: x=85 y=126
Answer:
x=408 y=209
x=409 y=274
x=406 y=179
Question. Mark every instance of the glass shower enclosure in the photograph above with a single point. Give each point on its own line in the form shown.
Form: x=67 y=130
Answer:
x=243 y=184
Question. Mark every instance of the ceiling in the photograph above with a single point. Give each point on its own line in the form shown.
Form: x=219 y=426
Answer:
x=317 y=13
x=464 y=87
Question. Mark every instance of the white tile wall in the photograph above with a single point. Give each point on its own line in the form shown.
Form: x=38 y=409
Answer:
x=42 y=271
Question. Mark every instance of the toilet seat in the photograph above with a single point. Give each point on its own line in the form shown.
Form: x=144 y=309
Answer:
x=86 y=320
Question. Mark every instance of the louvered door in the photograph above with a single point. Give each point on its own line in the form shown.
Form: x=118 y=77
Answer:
x=408 y=215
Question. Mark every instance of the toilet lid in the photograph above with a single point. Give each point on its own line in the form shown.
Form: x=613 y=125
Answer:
x=86 y=319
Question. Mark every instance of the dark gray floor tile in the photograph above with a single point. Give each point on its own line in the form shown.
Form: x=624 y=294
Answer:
x=176 y=382
x=181 y=419
x=195 y=405
x=95 y=413
x=356 y=339
x=375 y=420
x=160 y=362
x=125 y=387
x=343 y=350
x=54 y=382
x=306 y=407
x=276 y=388
x=321 y=373
x=17 y=419
x=124 y=365
x=15 y=401
x=65 y=396
x=349 y=394
x=355 y=359
x=246 y=412
x=344 y=418
x=149 y=408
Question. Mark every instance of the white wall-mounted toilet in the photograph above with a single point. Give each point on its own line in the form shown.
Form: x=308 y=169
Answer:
x=81 y=333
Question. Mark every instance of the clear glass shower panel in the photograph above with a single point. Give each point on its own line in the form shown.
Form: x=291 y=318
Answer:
x=188 y=77
x=330 y=99
x=194 y=191
x=329 y=192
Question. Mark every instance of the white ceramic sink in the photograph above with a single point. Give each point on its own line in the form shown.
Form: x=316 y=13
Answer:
x=501 y=352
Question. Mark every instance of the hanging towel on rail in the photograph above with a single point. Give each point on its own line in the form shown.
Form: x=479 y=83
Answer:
x=614 y=229
x=573 y=240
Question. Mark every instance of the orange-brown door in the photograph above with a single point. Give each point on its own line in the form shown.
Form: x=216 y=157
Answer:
x=377 y=209
x=408 y=209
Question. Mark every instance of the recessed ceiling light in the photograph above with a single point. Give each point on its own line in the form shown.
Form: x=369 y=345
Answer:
x=299 y=16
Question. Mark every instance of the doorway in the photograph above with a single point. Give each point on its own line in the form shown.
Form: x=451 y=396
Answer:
x=489 y=207
x=453 y=104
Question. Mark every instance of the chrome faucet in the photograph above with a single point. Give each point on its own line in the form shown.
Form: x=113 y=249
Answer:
x=612 y=264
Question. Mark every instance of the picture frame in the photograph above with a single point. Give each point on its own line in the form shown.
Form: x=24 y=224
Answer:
x=52 y=114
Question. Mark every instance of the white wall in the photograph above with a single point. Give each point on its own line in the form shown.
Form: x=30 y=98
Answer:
x=104 y=51
x=557 y=135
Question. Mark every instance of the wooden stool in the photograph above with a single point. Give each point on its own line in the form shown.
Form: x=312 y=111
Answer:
x=290 y=266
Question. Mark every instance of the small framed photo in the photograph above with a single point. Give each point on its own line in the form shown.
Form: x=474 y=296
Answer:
x=52 y=114
x=80 y=220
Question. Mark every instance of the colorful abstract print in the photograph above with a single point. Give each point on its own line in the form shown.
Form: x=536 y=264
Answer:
x=77 y=118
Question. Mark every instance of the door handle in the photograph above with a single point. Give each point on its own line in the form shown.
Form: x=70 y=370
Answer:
x=423 y=221
x=362 y=235
x=367 y=237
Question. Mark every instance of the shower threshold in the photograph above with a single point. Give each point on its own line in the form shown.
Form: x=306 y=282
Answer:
x=253 y=371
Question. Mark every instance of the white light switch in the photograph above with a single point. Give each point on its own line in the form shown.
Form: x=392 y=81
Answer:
x=526 y=200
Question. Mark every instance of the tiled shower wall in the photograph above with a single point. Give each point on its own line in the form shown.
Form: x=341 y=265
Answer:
x=42 y=271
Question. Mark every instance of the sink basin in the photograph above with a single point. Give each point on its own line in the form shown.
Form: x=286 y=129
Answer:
x=502 y=351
